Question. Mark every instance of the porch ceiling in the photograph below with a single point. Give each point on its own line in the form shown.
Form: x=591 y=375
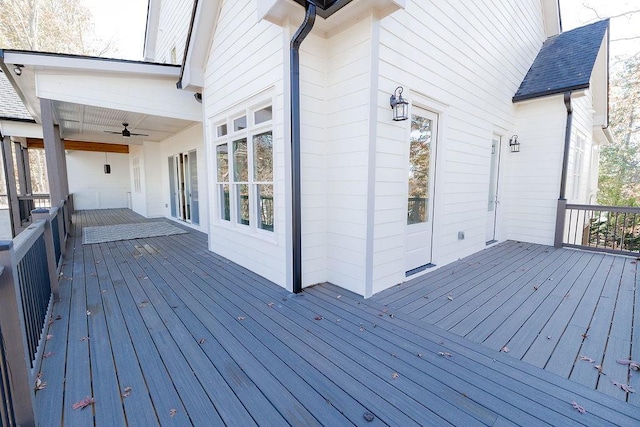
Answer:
x=90 y=123
x=92 y=96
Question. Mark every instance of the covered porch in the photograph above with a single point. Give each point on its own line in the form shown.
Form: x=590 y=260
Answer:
x=161 y=331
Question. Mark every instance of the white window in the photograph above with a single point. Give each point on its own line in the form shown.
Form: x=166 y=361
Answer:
x=576 y=160
x=244 y=169
x=135 y=164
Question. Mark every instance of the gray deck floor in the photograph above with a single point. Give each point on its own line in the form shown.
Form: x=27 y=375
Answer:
x=563 y=310
x=161 y=331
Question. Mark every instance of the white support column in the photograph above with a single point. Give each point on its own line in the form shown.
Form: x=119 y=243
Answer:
x=12 y=190
x=54 y=154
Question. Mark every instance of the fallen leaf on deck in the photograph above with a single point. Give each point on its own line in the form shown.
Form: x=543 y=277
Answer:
x=127 y=391
x=49 y=337
x=449 y=297
x=104 y=291
x=270 y=304
x=48 y=355
x=535 y=288
x=88 y=313
x=632 y=364
x=586 y=359
x=548 y=337
x=420 y=355
x=173 y=413
x=624 y=387
x=578 y=408
x=444 y=354
x=202 y=341
x=368 y=416
x=58 y=317
x=143 y=304
x=339 y=296
x=585 y=335
x=317 y=318
x=504 y=349
x=361 y=328
x=40 y=385
x=84 y=339
x=599 y=368
x=241 y=317
x=394 y=375
x=83 y=403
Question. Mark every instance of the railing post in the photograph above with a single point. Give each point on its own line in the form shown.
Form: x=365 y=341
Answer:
x=52 y=262
x=560 y=221
x=13 y=332
x=62 y=228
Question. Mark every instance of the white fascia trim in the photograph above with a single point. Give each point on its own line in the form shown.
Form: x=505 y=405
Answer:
x=151 y=32
x=62 y=62
x=200 y=39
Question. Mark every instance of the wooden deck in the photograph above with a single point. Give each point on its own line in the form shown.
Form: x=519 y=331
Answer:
x=160 y=331
x=563 y=310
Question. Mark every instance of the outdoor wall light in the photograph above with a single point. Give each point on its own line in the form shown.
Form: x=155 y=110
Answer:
x=107 y=166
x=399 y=105
x=17 y=68
x=514 y=144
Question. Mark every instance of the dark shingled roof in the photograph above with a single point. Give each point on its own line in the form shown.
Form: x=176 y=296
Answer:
x=11 y=106
x=564 y=63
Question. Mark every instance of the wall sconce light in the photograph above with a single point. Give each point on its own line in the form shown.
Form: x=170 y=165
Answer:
x=514 y=144
x=107 y=166
x=399 y=105
x=17 y=68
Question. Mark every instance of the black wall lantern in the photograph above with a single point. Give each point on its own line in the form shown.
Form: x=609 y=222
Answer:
x=399 y=105
x=514 y=144
x=107 y=166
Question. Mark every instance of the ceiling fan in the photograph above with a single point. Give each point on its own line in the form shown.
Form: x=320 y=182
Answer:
x=125 y=132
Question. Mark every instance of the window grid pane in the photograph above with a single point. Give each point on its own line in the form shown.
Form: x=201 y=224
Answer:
x=222 y=155
x=419 y=165
x=225 y=204
x=240 y=161
x=265 y=206
x=263 y=157
x=242 y=204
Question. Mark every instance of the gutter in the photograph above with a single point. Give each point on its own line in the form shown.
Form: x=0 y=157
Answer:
x=296 y=223
x=562 y=200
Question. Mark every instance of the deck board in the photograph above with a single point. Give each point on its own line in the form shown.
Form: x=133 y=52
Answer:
x=193 y=332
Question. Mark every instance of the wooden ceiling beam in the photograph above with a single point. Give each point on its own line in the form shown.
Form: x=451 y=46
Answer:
x=83 y=146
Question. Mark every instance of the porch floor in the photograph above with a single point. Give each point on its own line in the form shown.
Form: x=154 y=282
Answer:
x=161 y=331
x=563 y=310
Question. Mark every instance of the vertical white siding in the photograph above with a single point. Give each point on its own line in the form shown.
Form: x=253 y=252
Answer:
x=247 y=59
x=465 y=61
x=185 y=141
x=91 y=187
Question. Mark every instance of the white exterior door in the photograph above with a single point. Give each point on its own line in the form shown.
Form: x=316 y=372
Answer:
x=421 y=168
x=492 y=206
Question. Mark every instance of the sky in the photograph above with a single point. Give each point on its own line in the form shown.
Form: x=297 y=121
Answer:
x=123 y=22
x=574 y=14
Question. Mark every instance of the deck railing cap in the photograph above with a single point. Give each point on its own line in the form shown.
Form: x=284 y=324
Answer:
x=5 y=245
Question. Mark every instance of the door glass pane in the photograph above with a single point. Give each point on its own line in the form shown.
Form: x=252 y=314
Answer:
x=242 y=197
x=265 y=206
x=225 y=211
x=263 y=157
x=172 y=188
x=222 y=155
x=419 y=165
x=493 y=176
x=240 y=161
x=221 y=130
x=193 y=181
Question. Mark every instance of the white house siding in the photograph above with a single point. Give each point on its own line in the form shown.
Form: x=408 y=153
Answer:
x=91 y=187
x=531 y=178
x=173 y=28
x=465 y=61
x=183 y=142
x=582 y=126
x=347 y=143
x=246 y=64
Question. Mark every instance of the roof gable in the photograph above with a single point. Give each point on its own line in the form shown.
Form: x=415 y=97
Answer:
x=565 y=62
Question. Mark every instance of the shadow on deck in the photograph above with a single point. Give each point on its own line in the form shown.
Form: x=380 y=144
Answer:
x=161 y=331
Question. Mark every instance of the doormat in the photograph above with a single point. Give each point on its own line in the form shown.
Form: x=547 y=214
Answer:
x=114 y=233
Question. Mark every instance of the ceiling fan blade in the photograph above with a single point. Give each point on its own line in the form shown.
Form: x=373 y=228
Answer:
x=138 y=134
x=115 y=133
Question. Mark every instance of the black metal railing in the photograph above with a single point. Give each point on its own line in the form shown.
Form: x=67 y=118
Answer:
x=612 y=229
x=28 y=287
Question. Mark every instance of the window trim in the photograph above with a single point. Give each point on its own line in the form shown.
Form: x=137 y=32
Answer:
x=252 y=129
